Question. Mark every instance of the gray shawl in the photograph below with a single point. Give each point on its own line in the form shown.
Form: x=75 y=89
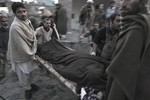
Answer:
x=22 y=43
x=130 y=65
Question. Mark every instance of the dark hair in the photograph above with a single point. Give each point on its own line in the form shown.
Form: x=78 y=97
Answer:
x=113 y=17
x=58 y=4
x=16 y=5
x=112 y=1
x=96 y=6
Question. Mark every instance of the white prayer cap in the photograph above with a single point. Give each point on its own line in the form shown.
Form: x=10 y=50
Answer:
x=3 y=15
x=90 y=1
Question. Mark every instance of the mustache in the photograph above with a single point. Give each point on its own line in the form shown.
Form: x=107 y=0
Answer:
x=124 y=8
x=23 y=16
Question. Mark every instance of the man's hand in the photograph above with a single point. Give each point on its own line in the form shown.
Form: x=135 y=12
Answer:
x=81 y=36
x=54 y=25
x=93 y=53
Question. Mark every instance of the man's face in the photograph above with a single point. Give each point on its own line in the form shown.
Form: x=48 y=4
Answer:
x=21 y=13
x=129 y=7
x=4 y=22
x=47 y=23
x=116 y=23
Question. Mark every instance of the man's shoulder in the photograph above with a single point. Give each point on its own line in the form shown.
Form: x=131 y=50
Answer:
x=14 y=26
x=39 y=28
x=39 y=31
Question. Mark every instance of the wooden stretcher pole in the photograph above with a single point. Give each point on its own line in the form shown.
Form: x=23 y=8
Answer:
x=70 y=85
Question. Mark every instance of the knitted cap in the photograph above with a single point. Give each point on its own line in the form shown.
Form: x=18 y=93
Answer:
x=46 y=14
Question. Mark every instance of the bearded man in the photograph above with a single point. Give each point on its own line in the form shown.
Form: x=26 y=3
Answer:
x=4 y=35
x=129 y=72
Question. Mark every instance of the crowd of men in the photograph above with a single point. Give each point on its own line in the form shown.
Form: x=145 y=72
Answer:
x=90 y=14
x=120 y=37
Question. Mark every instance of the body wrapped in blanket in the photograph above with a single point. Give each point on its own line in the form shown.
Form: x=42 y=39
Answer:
x=84 y=69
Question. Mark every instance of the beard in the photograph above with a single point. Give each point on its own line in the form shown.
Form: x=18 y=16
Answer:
x=129 y=11
x=22 y=17
x=131 y=8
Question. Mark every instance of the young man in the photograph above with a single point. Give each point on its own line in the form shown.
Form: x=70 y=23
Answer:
x=4 y=35
x=105 y=40
x=129 y=70
x=22 y=47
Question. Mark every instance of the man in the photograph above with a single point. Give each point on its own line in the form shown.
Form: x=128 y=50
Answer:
x=86 y=17
x=43 y=33
x=92 y=32
x=61 y=20
x=111 y=9
x=105 y=40
x=48 y=16
x=22 y=47
x=112 y=33
x=100 y=15
x=129 y=71
x=4 y=35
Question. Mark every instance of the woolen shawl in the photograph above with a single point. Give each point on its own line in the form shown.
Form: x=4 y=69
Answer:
x=22 y=42
x=130 y=65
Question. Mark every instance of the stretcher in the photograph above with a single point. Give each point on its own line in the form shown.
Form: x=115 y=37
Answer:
x=69 y=84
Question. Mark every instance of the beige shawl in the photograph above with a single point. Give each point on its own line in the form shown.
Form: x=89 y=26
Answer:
x=22 y=43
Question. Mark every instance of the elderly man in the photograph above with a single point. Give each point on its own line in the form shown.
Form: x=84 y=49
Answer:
x=22 y=47
x=4 y=35
x=129 y=71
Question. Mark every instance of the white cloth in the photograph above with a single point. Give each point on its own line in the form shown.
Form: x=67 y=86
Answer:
x=24 y=71
x=83 y=93
x=25 y=67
